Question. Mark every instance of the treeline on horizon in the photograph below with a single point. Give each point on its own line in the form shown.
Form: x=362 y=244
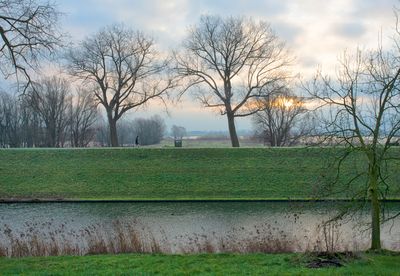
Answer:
x=57 y=119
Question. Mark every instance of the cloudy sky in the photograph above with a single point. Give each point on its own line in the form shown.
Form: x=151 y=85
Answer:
x=316 y=31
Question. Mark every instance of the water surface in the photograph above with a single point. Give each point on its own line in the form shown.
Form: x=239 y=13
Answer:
x=196 y=226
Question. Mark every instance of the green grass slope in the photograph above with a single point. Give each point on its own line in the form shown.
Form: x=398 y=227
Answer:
x=217 y=264
x=124 y=173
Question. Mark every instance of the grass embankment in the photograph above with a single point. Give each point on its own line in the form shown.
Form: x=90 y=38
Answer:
x=168 y=174
x=217 y=264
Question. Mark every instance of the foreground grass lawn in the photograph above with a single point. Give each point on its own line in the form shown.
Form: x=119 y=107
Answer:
x=126 y=173
x=218 y=264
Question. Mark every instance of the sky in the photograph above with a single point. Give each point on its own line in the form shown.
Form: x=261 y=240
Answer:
x=315 y=31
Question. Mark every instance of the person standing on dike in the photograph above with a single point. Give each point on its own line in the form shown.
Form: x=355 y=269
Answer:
x=137 y=141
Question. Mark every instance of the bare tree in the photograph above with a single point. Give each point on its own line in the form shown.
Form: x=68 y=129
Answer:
x=28 y=32
x=178 y=132
x=150 y=131
x=20 y=126
x=124 y=71
x=232 y=61
x=102 y=136
x=126 y=133
x=83 y=118
x=10 y=121
x=362 y=113
x=51 y=99
x=282 y=119
x=32 y=130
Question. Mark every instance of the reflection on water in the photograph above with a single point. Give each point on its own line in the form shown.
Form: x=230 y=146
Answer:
x=193 y=226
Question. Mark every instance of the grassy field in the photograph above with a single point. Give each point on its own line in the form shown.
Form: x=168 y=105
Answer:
x=218 y=264
x=204 y=142
x=123 y=173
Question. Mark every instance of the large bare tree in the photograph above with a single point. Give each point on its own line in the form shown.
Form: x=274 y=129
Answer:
x=28 y=32
x=123 y=69
x=361 y=113
x=232 y=61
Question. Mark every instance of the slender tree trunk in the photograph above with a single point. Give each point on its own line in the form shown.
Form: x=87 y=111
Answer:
x=375 y=210
x=51 y=135
x=232 y=129
x=75 y=138
x=113 y=132
x=273 y=139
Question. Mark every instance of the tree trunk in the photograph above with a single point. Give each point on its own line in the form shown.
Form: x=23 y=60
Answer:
x=51 y=135
x=375 y=210
x=232 y=129
x=113 y=132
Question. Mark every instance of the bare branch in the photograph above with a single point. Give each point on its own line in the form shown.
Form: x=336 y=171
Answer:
x=28 y=32
x=231 y=60
x=124 y=68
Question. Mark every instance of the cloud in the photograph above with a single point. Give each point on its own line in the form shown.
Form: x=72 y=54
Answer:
x=287 y=31
x=350 y=30
x=373 y=9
